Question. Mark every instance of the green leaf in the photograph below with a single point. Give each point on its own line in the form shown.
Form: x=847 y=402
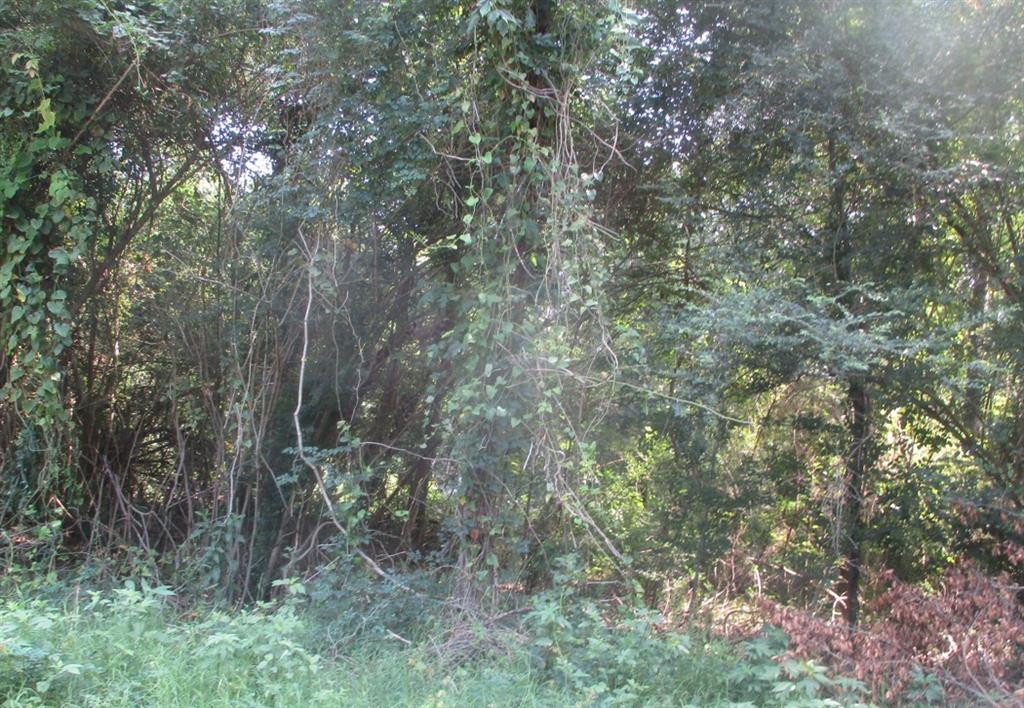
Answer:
x=60 y=257
x=58 y=308
x=47 y=115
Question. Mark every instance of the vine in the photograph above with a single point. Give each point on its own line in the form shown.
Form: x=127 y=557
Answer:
x=47 y=220
x=530 y=270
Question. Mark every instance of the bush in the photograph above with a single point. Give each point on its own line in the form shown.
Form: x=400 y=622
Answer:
x=622 y=653
x=963 y=643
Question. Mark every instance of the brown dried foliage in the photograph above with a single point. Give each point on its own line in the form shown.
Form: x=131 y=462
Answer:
x=969 y=634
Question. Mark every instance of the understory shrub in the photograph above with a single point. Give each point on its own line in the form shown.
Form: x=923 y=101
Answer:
x=622 y=653
x=963 y=643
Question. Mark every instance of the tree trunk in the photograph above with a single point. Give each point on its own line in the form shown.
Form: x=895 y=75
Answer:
x=856 y=458
x=851 y=525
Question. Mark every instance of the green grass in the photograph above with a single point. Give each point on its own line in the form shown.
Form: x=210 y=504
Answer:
x=133 y=646
x=130 y=649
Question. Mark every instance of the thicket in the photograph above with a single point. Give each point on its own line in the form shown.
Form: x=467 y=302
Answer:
x=563 y=305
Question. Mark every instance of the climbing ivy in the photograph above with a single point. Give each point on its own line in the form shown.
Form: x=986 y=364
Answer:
x=47 y=221
x=528 y=266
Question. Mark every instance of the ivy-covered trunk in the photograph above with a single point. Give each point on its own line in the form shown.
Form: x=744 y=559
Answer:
x=529 y=273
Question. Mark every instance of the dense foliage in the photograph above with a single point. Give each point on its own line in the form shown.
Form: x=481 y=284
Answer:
x=715 y=305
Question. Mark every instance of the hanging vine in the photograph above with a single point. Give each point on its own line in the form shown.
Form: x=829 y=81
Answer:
x=529 y=272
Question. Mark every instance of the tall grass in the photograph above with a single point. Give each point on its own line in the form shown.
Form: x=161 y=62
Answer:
x=137 y=646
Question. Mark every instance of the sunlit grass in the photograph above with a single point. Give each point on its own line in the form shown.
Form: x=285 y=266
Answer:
x=140 y=646
x=132 y=649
